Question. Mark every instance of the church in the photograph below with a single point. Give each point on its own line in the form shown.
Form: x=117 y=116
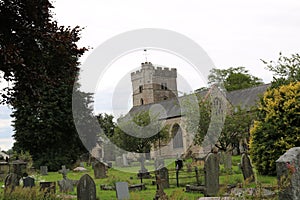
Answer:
x=155 y=88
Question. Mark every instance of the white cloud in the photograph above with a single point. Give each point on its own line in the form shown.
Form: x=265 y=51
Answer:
x=5 y=123
x=6 y=143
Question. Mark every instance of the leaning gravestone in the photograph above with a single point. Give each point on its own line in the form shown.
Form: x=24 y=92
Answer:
x=211 y=171
x=247 y=168
x=288 y=174
x=163 y=173
x=11 y=181
x=43 y=170
x=86 y=188
x=100 y=170
x=122 y=190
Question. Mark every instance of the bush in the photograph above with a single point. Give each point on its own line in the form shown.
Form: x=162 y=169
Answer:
x=28 y=194
x=277 y=128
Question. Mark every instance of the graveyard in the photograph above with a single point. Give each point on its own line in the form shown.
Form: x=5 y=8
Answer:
x=189 y=186
x=110 y=124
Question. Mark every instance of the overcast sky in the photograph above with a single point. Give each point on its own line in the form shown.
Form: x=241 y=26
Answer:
x=233 y=33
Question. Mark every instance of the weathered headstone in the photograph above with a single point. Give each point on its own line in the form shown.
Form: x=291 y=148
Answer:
x=86 y=188
x=160 y=194
x=81 y=164
x=163 y=173
x=64 y=171
x=246 y=168
x=211 y=172
x=66 y=185
x=227 y=156
x=288 y=174
x=28 y=181
x=122 y=190
x=119 y=161
x=100 y=170
x=43 y=170
x=11 y=181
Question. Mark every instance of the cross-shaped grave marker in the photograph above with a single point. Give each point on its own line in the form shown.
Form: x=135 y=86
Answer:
x=64 y=171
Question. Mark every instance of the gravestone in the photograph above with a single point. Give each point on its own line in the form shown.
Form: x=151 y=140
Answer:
x=100 y=170
x=81 y=164
x=43 y=170
x=211 y=174
x=246 y=168
x=86 y=188
x=48 y=187
x=66 y=185
x=122 y=190
x=28 y=181
x=143 y=172
x=288 y=174
x=119 y=161
x=160 y=194
x=163 y=174
x=11 y=181
x=227 y=160
x=64 y=171
x=125 y=161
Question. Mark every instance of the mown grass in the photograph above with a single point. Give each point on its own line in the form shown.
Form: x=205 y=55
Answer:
x=233 y=177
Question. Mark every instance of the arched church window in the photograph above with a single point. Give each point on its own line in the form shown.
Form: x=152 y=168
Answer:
x=177 y=136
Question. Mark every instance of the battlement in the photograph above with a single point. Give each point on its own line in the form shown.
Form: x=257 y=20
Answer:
x=157 y=71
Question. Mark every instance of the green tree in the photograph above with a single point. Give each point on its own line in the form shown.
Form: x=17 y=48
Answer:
x=236 y=130
x=41 y=58
x=233 y=78
x=285 y=69
x=277 y=127
x=106 y=123
x=140 y=133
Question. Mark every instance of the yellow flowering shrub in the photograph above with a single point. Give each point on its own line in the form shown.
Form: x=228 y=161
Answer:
x=277 y=128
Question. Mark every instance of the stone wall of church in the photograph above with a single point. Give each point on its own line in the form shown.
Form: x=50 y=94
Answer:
x=168 y=150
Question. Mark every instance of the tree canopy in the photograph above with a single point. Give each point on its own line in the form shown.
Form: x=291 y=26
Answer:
x=233 y=78
x=285 y=69
x=41 y=58
x=140 y=133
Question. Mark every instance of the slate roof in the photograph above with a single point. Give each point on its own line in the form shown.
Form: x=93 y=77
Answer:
x=245 y=98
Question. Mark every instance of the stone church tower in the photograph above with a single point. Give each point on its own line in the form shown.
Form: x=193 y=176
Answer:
x=152 y=85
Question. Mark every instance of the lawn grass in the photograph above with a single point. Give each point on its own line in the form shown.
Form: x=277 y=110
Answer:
x=117 y=174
